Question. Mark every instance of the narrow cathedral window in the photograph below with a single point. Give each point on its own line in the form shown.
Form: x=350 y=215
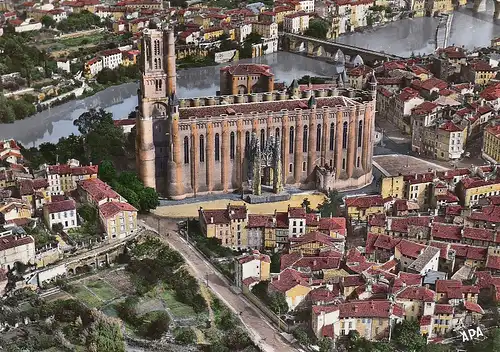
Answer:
x=360 y=133
x=343 y=164
x=157 y=47
x=262 y=139
x=186 y=150
x=202 y=149
x=318 y=138
x=231 y=146
x=304 y=140
x=290 y=149
x=277 y=134
x=344 y=136
x=358 y=162
x=217 y=148
x=247 y=140
x=332 y=136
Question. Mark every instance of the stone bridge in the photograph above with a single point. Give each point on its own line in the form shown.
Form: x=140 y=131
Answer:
x=320 y=48
x=480 y=6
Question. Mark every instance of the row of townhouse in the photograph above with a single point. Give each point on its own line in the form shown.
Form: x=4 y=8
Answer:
x=436 y=188
x=49 y=196
x=112 y=59
x=238 y=229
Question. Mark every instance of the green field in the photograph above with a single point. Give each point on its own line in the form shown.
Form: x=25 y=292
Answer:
x=84 y=40
x=102 y=289
x=87 y=297
x=178 y=309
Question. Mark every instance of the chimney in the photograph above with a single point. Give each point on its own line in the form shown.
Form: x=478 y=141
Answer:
x=314 y=262
x=211 y=219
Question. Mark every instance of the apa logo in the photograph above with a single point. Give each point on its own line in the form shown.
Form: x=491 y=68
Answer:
x=472 y=334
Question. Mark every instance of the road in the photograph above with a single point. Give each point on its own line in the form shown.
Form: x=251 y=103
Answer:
x=265 y=334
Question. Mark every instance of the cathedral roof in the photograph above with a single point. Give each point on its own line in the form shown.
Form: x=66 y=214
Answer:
x=262 y=107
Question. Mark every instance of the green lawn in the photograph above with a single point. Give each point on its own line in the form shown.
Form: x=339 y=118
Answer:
x=83 y=294
x=102 y=289
x=178 y=309
x=83 y=40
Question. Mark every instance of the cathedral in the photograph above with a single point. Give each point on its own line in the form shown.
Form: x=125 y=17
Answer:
x=199 y=146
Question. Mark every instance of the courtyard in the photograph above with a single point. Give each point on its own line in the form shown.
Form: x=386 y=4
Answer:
x=191 y=209
x=395 y=164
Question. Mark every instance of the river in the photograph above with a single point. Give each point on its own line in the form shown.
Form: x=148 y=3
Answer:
x=399 y=38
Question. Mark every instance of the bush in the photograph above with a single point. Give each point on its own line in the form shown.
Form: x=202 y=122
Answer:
x=185 y=336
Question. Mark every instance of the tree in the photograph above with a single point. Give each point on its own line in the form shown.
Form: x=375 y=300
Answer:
x=407 y=336
x=277 y=303
x=331 y=205
x=185 y=336
x=7 y=114
x=226 y=320
x=325 y=345
x=104 y=335
x=92 y=120
x=236 y=339
x=317 y=29
x=148 y=199
x=301 y=335
x=47 y=21
x=157 y=326
x=57 y=228
x=107 y=171
x=307 y=205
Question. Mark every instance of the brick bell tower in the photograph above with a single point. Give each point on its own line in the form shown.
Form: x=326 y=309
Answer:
x=158 y=152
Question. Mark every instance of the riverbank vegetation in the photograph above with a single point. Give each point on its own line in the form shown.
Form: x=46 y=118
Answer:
x=16 y=109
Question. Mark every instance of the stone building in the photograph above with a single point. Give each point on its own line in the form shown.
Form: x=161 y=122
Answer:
x=246 y=78
x=198 y=146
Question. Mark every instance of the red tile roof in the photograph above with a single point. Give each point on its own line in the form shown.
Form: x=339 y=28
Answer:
x=288 y=279
x=110 y=209
x=260 y=221
x=353 y=281
x=12 y=241
x=443 y=246
x=425 y=108
x=473 y=307
x=98 y=190
x=410 y=279
x=296 y=212
x=260 y=107
x=443 y=309
x=470 y=182
x=431 y=83
x=410 y=249
x=407 y=94
x=479 y=234
x=363 y=202
x=310 y=237
x=370 y=309
x=57 y=207
x=449 y=126
x=65 y=169
x=444 y=286
x=323 y=295
x=493 y=262
x=425 y=320
x=401 y=224
x=445 y=231
x=491 y=92
x=333 y=224
x=417 y=293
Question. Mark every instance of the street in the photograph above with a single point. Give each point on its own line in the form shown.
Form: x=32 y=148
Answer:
x=265 y=334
